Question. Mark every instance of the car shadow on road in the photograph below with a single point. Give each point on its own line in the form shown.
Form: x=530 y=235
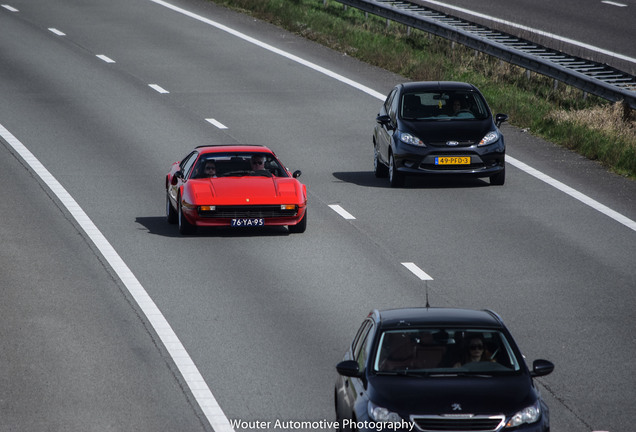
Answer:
x=368 y=179
x=158 y=225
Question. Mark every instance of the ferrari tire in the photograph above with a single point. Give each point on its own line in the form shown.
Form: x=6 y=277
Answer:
x=300 y=227
x=185 y=227
x=396 y=178
x=171 y=213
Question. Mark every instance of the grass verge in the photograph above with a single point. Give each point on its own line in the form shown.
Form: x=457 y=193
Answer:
x=591 y=126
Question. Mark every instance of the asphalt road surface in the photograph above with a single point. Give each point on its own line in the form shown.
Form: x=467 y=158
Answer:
x=111 y=320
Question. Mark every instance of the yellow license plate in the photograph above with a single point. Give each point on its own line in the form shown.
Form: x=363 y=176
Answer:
x=452 y=160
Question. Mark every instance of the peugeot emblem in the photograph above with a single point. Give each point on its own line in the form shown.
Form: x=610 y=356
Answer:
x=456 y=407
x=452 y=143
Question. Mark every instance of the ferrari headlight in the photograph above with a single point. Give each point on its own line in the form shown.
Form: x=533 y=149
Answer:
x=383 y=415
x=490 y=138
x=411 y=139
x=528 y=415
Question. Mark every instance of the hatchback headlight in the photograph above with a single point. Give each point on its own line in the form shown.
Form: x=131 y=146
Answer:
x=528 y=415
x=383 y=415
x=490 y=138
x=411 y=139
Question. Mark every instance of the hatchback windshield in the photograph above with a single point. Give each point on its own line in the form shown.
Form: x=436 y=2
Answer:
x=446 y=105
x=444 y=351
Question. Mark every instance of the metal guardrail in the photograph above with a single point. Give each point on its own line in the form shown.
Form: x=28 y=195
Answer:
x=591 y=77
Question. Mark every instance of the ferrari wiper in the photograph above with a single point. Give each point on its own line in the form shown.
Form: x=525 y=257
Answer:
x=262 y=173
x=234 y=174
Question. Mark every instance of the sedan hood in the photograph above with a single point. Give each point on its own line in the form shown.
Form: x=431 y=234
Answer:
x=247 y=190
x=452 y=394
x=440 y=131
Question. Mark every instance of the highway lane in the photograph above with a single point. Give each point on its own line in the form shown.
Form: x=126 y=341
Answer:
x=265 y=316
x=606 y=25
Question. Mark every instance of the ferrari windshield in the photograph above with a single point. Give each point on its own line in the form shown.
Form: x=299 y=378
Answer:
x=443 y=105
x=237 y=165
x=445 y=351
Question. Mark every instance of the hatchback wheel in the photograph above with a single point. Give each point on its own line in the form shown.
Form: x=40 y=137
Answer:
x=379 y=169
x=396 y=178
x=498 y=179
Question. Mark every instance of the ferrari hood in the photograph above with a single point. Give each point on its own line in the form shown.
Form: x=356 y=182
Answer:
x=248 y=190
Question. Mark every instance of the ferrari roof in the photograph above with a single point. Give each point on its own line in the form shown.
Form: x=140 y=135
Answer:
x=221 y=148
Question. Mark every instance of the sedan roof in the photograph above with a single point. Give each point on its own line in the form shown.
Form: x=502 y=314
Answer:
x=428 y=316
x=438 y=85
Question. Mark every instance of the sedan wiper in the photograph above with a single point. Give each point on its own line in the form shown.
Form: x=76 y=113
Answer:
x=405 y=372
x=461 y=374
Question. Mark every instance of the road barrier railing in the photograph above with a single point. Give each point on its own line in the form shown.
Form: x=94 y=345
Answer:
x=591 y=77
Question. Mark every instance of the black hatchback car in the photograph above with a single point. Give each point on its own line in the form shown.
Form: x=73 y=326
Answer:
x=438 y=369
x=437 y=127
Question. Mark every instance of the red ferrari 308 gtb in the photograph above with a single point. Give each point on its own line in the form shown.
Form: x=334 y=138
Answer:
x=234 y=185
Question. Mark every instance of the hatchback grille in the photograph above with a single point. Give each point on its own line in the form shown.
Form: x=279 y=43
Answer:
x=456 y=424
x=248 y=211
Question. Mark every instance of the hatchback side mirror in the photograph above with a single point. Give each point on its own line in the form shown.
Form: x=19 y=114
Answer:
x=541 y=368
x=384 y=120
x=500 y=118
x=349 y=368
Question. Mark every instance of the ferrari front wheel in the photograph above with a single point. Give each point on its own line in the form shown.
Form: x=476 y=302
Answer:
x=185 y=227
x=171 y=213
x=301 y=226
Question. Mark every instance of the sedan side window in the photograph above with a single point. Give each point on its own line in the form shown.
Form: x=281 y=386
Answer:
x=361 y=344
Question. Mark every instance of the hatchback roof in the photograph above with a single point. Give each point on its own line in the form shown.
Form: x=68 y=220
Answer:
x=430 y=316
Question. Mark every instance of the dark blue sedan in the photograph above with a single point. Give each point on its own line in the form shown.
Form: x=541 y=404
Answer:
x=438 y=369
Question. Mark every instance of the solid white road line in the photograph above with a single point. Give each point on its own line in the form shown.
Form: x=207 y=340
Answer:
x=216 y=123
x=417 y=271
x=105 y=58
x=342 y=212
x=158 y=88
x=272 y=49
x=180 y=356
x=573 y=193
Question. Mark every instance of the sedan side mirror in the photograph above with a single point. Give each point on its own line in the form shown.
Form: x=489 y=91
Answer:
x=296 y=173
x=541 y=368
x=500 y=118
x=349 y=368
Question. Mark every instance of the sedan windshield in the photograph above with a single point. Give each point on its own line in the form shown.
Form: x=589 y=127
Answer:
x=445 y=351
x=237 y=165
x=443 y=105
